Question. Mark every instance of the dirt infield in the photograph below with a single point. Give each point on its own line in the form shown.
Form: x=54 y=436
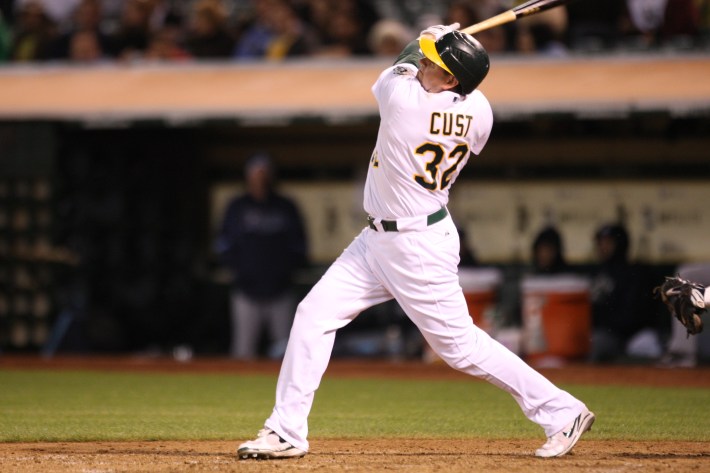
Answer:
x=356 y=456
x=362 y=455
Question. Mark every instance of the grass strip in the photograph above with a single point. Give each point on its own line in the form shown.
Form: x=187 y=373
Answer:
x=93 y=406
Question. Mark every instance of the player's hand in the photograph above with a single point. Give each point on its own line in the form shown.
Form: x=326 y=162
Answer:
x=437 y=31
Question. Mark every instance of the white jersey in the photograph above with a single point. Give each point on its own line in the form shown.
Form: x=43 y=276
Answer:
x=424 y=141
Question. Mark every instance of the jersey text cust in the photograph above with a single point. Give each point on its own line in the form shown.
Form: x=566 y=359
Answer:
x=447 y=123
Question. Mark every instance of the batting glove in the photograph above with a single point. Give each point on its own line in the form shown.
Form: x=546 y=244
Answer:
x=438 y=31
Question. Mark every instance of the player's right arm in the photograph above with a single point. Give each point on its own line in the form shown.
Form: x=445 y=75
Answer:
x=411 y=54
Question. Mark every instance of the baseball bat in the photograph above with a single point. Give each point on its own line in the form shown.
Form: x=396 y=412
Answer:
x=526 y=9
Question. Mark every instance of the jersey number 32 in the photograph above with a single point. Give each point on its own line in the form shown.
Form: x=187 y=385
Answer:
x=438 y=152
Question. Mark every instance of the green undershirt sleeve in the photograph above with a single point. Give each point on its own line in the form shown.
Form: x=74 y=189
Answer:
x=410 y=54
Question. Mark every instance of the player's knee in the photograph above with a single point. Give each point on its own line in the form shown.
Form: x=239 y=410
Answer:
x=458 y=361
x=465 y=351
x=309 y=321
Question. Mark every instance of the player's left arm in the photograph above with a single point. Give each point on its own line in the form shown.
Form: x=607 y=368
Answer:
x=483 y=131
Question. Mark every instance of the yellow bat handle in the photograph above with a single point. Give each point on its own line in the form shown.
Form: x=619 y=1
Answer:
x=505 y=17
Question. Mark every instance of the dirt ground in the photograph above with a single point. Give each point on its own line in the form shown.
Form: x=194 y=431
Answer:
x=418 y=455
x=363 y=455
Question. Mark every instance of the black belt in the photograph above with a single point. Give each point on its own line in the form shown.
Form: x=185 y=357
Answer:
x=391 y=225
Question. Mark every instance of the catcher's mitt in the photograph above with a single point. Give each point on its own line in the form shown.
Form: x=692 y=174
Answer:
x=685 y=302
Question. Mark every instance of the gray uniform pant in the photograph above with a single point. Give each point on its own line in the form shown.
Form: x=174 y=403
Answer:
x=251 y=317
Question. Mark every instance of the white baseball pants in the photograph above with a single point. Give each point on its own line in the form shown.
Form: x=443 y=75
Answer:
x=418 y=269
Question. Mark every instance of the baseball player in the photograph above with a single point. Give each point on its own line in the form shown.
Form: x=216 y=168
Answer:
x=432 y=119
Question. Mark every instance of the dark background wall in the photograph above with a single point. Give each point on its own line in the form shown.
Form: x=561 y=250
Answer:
x=107 y=229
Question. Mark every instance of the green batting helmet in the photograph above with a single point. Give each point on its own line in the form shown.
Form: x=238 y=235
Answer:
x=461 y=55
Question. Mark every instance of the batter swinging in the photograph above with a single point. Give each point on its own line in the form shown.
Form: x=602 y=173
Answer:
x=432 y=119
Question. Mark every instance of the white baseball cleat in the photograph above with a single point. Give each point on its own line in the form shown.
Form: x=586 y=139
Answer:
x=563 y=441
x=268 y=445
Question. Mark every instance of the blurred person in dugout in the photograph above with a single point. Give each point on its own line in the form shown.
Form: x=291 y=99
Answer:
x=618 y=301
x=546 y=259
x=548 y=252
x=262 y=241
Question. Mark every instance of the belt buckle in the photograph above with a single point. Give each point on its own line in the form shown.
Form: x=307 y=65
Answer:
x=371 y=222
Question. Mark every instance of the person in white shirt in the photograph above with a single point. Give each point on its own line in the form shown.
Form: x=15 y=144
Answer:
x=433 y=119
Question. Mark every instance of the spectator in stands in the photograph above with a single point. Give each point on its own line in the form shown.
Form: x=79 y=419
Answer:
x=59 y=12
x=275 y=32
x=681 y=23
x=495 y=40
x=165 y=45
x=34 y=34
x=5 y=39
x=462 y=12
x=112 y=11
x=7 y=10
x=262 y=241
x=163 y=14
x=344 y=29
x=133 y=34
x=85 y=47
x=208 y=34
x=388 y=38
x=316 y=13
x=704 y=26
x=617 y=297
x=546 y=41
x=291 y=36
x=418 y=15
x=594 y=26
x=654 y=24
x=254 y=32
x=543 y=33
x=86 y=22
